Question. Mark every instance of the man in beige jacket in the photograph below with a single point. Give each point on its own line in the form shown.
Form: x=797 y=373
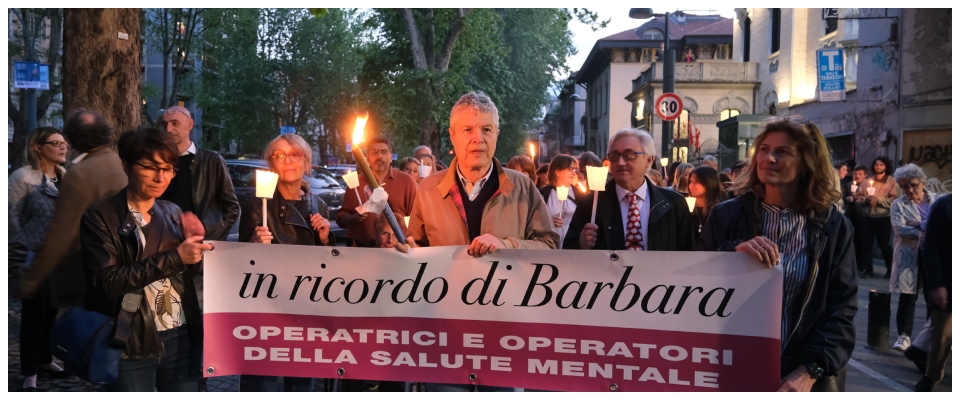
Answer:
x=475 y=202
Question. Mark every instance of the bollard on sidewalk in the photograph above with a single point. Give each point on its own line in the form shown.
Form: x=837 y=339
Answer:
x=878 y=321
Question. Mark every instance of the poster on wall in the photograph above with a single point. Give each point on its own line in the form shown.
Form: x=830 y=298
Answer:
x=31 y=75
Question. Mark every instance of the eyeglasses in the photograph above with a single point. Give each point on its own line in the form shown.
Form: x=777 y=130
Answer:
x=381 y=152
x=56 y=143
x=912 y=186
x=627 y=155
x=172 y=172
x=293 y=157
x=573 y=169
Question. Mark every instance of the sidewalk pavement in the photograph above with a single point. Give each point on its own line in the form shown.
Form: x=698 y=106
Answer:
x=869 y=370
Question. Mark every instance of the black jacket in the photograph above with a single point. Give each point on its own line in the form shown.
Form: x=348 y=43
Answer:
x=936 y=249
x=824 y=332
x=111 y=260
x=668 y=228
x=214 y=199
x=285 y=222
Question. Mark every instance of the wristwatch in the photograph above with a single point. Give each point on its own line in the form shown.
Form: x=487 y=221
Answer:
x=814 y=370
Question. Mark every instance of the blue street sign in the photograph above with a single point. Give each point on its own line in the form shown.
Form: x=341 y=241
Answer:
x=31 y=75
x=288 y=129
x=830 y=75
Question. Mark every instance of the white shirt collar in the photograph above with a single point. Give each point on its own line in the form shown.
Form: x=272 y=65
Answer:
x=79 y=158
x=476 y=186
x=190 y=150
x=641 y=191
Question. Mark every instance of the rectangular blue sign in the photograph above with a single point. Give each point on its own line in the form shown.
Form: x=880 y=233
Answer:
x=31 y=75
x=288 y=130
x=830 y=74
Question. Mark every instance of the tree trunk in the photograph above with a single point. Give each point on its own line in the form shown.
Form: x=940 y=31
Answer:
x=102 y=72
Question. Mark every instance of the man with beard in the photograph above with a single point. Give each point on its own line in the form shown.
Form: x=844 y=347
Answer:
x=400 y=187
x=875 y=215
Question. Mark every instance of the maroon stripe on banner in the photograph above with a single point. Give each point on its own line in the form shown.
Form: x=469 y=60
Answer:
x=526 y=355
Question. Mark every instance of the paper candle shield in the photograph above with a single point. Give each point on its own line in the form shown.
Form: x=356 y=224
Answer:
x=266 y=184
x=871 y=191
x=424 y=170
x=691 y=203
x=562 y=192
x=663 y=161
x=597 y=178
x=352 y=180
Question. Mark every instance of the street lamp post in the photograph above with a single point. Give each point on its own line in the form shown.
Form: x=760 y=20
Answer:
x=668 y=67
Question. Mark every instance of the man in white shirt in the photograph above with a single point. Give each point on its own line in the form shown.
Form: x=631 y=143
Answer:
x=632 y=213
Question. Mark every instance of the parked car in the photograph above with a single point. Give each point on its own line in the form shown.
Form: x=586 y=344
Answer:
x=243 y=174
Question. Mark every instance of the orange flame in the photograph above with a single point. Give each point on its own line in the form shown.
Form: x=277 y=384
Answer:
x=358 y=130
x=583 y=189
x=533 y=151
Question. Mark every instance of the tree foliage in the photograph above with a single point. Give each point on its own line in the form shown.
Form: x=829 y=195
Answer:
x=510 y=54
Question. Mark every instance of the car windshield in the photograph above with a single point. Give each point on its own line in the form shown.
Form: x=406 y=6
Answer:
x=325 y=177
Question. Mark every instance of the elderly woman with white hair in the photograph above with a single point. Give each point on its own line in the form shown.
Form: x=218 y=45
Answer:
x=908 y=214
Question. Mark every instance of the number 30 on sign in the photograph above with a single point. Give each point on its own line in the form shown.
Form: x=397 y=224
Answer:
x=669 y=106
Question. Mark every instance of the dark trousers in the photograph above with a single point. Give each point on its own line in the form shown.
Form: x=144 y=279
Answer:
x=878 y=229
x=905 y=310
x=36 y=323
x=168 y=373
x=259 y=383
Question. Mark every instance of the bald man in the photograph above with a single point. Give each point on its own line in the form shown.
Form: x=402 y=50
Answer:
x=202 y=185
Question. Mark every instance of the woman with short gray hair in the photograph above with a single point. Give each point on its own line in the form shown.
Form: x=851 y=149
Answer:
x=908 y=214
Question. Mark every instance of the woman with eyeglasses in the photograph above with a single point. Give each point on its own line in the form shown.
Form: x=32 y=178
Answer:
x=134 y=250
x=562 y=172
x=32 y=195
x=785 y=215
x=704 y=185
x=908 y=215
x=294 y=217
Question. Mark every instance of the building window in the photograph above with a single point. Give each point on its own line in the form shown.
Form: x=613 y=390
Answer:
x=728 y=113
x=648 y=55
x=830 y=16
x=653 y=34
x=774 y=30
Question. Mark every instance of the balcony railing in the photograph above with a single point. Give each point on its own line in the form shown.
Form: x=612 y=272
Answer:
x=702 y=71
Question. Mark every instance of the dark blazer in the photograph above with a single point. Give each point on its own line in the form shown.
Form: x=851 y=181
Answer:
x=937 y=248
x=111 y=259
x=285 y=222
x=668 y=228
x=214 y=199
x=824 y=332
x=98 y=176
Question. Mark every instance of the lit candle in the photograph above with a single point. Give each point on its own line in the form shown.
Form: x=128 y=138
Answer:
x=597 y=181
x=371 y=179
x=691 y=203
x=583 y=189
x=663 y=161
x=533 y=152
x=353 y=182
x=562 y=192
x=266 y=186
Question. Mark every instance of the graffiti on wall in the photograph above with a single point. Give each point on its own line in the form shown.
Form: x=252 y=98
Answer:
x=938 y=154
x=882 y=58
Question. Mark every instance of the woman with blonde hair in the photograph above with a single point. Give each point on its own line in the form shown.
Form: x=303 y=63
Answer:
x=681 y=179
x=784 y=215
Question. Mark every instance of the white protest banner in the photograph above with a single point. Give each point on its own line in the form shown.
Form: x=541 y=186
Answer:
x=544 y=319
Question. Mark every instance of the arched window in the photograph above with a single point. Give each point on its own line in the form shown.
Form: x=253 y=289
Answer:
x=652 y=34
x=728 y=113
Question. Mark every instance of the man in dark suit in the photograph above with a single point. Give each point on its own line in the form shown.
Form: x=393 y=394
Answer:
x=632 y=213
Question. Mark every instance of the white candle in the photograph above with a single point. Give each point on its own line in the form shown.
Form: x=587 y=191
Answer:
x=562 y=192
x=353 y=181
x=871 y=191
x=266 y=186
x=691 y=203
x=597 y=182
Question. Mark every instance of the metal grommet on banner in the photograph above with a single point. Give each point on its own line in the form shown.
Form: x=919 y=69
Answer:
x=614 y=257
x=340 y=371
x=210 y=370
x=613 y=387
x=472 y=376
x=335 y=252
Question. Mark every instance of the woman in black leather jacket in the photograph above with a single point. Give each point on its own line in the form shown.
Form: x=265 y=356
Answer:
x=294 y=216
x=135 y=252
x=785 y=215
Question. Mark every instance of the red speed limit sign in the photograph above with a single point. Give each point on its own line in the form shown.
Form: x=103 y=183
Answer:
x=668 y=106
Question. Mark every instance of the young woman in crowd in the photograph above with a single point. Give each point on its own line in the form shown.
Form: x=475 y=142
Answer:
x=134 y=249
x=32 y=195
x=704 y=185
x=784 y=215
x=561 y=172
x=681 y=178
x=294 y=216
x=523 y=164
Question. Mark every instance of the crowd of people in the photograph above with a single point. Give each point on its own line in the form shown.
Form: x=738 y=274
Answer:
x=131 y=224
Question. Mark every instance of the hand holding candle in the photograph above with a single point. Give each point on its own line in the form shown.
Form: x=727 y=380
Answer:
x=597 y=181
x=266 y=186
x=371 y=179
